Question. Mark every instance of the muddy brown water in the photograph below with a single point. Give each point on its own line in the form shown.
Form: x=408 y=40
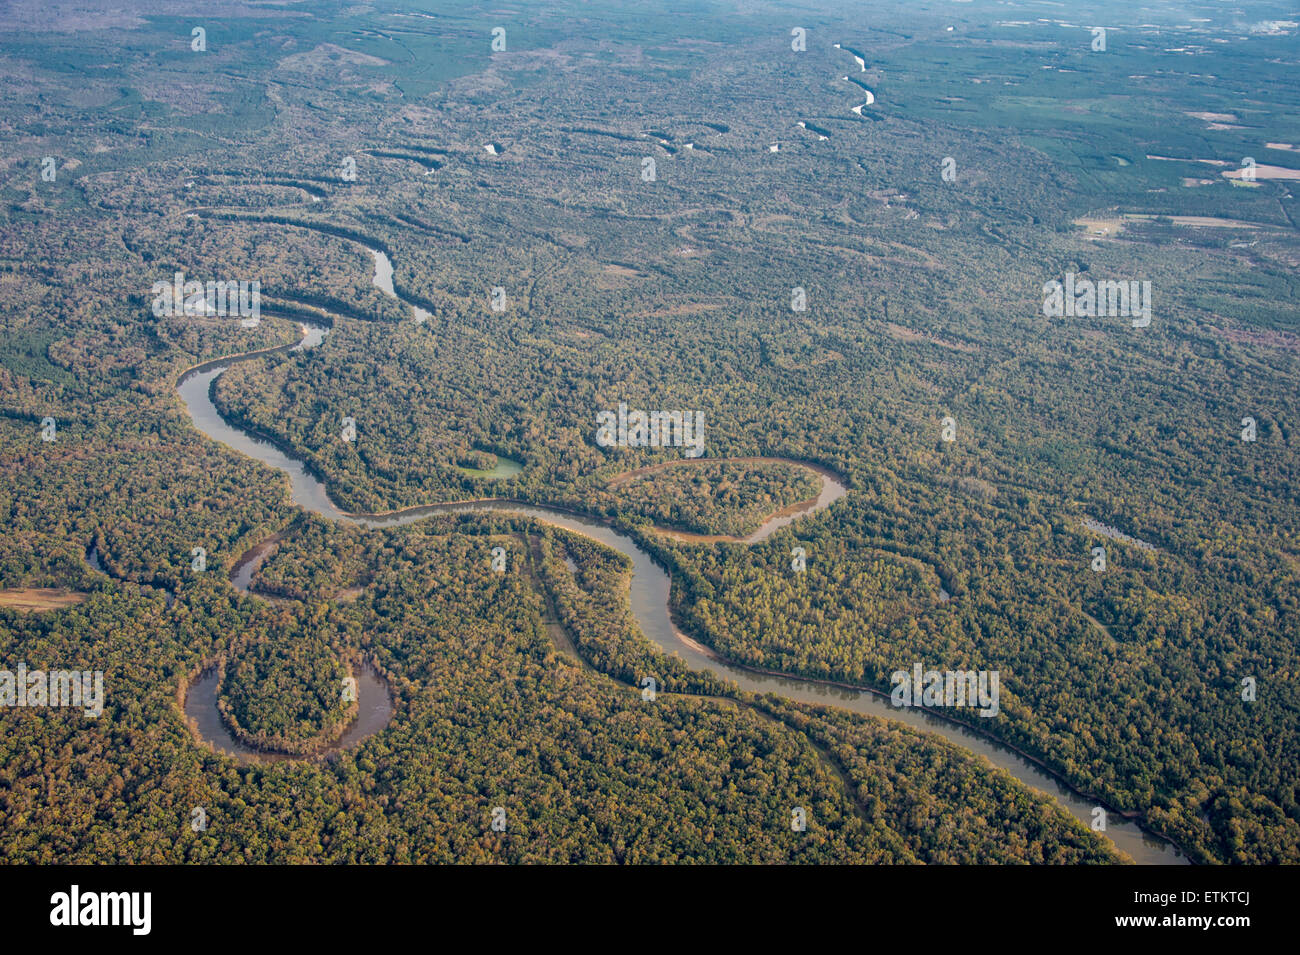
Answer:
x=649 y=598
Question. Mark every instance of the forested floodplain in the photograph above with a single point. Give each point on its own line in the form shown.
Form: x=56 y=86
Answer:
x=1104 y=514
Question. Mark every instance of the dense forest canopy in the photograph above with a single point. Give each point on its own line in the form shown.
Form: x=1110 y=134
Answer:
x=840 y=301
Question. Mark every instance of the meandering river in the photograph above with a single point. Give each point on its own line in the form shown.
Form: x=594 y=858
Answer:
x=649 y=598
